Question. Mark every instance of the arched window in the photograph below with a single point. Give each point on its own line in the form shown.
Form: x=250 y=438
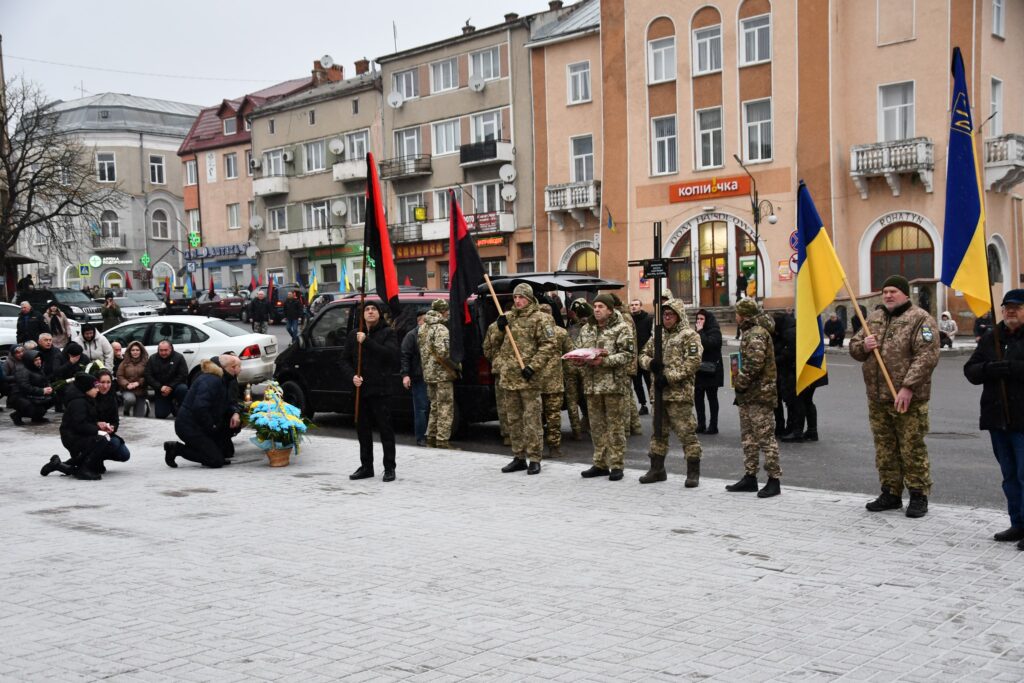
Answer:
x=585 y=261
x=161 y=227
x=995 y=264
x=113 y=280
x=72 y=278
x=903 y=248
x=680 y=273
x=160 y=272
x=108 y=224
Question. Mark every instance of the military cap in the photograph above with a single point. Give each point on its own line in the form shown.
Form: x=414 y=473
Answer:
x=748 y=308
x=899 y=282
x=439 y=305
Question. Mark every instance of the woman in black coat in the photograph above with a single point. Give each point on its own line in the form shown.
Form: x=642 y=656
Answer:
x=80 y=432
x=108 y=413
x=709 y=378
x=31 y=394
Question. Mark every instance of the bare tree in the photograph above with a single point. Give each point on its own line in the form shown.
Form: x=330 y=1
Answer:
x=52 y=187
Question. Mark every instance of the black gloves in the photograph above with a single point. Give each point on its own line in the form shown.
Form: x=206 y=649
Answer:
x=656 y=365
x=502 y=322
x=661 y=381
x=527 y=373
x=997 y=368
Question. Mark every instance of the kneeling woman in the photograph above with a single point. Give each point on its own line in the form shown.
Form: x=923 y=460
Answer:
x=82 y=433
x=109 y=417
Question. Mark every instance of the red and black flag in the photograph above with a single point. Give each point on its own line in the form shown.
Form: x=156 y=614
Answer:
x=167 y=290
x=377 y=241
x=252 y=284
x=465 y=273
x=127 y=280
x=212 y=292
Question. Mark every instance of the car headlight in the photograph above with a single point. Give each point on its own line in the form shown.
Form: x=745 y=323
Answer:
x=76 y=309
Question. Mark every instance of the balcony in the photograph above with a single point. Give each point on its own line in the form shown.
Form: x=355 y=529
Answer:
x=308 y=239
x=486 y=152
x=115 y=244
x=574 y=199
x=890 y=160
x=350 y=170
x=494 y=221
x=405 y=167
x=1004 y=162
x=409 y=232
x=270 y=185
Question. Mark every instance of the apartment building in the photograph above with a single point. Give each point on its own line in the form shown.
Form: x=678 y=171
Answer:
x=309 y=183
x=216 y=156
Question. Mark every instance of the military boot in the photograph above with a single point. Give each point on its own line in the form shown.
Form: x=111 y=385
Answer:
x=594 y=471
x=886 y=501
x=441 y=444
x=771 y=488
x=747 y=484
x=55 y=465
x=657 y=472
x=517 y=465
x=692 y=473
x=918 y=506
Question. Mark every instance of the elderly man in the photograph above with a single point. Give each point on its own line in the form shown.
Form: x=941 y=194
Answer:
x=167 y=375
x=29 y=325
x=207 y=417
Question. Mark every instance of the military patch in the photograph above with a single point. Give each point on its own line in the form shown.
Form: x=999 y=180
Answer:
x=926 y=333
x=693 y=349
x=549 y=330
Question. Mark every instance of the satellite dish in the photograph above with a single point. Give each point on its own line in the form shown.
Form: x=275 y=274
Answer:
x=395 y=99
x=256 y=222
x=339 y=208
x=336 y=145
x=327 y=61
x=508 y=193
x=507 y=173
x=476 y=83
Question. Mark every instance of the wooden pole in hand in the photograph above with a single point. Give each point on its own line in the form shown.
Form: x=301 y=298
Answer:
x=864 y=324
x=362 y=328
x=508 y=332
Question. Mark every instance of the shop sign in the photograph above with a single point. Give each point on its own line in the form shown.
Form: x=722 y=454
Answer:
x=483 y=221
x=490 y=242
x=340 y=250
x=709 y=189
x=115 y=261
x=95 y=261
x=784 y=272
x=217 y=251
x=419 y=250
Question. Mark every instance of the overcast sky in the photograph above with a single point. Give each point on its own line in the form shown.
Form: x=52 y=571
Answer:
x=216 y=49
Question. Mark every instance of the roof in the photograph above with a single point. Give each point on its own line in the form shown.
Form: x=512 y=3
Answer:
x=112 y=99
x=583 y=16
x=324 y=91
x=462 y=37
x=116 y=112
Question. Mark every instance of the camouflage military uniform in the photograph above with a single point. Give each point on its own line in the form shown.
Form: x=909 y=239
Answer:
x=602 y=384
x=681 y=353
x=631 y=416
x=756 y=395
x=534 y=334
x=491 y=346
x=908 y=340
x=553 y=389
x=573 y=377
x=433 y=344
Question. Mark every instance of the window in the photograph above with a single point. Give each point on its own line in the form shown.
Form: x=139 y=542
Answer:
x=996 y=124
x=247 y=122
x=487 y=198
x=406 y=83
x=193 y=220
x=64 y=175
x=487 y=126
x=156 y=169
x=441 y=204
x=230 y=166
x=485 y=64
x=161 y=226
x=355 y=106
x=583 y=159
x=108 y=224
x=896 y=115
x=311 y=117
x=271 y=126
x=233 y=219
x=446 y=137
x=494 y=267
x=230 y=126
x=277 y=219
x=758 y=116
x=998 y=17
x=902 y=248
x=579 y=83
x=707 y=50
x=444 y=75
x=356 y=145
x=661 y=60
x=191 y=172
x=248 y=161
x=331 y=328
x=317 y=214
x=524 y=260
x=664 y=148
x=585 y=261
x=709 y=138
x=407 y=142
x=316 y=156
x=106 y=171
x=407 y=204
x=273 y=162
x=251 y=206
x=329 y=272
x=357 y=209
x=755 y=40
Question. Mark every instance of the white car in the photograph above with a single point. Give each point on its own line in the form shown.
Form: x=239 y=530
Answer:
x=197 y=338
x=131 y=309
x=8 y=326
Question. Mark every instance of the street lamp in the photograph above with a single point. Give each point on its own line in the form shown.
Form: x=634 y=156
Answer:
x=758 y=207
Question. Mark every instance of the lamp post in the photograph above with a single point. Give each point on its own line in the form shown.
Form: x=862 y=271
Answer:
x=757 y=207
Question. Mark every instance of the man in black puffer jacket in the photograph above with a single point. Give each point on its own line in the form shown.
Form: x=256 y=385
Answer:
x=167 y=375
x=31 y=394
x=206 y=417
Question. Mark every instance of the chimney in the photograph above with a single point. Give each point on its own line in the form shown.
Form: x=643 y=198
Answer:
x=467 y=29
x=510 y=17
x=362 y=66
x=336 y=73
x=555 y=5
x=321 y=75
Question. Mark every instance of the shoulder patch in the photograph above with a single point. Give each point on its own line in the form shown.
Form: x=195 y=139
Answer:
x=926 y=333
x=550 y=331
x=693 y=349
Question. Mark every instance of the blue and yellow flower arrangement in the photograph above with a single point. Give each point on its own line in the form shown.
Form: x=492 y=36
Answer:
x=278 y=424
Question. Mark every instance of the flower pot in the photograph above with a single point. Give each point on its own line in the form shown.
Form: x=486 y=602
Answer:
x=279 y=457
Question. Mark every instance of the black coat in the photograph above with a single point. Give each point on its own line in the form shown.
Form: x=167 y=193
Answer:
x=30 y=326
x=29 y=381
x=78 y=430
x=412 y=364
x=293 y=309
x=169 y=372
x=207 y=406
x=107 y=409
x=380 y=359
x=834 y=327
x=644 y=324
x=979 y=370
x=711 y=340
x=259 y=310
x=53 y=362
x=785 y=355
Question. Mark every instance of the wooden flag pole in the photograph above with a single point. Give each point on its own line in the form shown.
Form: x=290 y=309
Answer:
x=864 y=324
x=362 y=326
x=508 y=332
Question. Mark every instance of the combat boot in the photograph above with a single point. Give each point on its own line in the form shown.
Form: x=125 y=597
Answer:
x=918 y=506
x=1014 y=533
x=55 y=465
x=657 y=472
x=771 y=488
x=692 y=473
x=594 y=471
x=748 y=484
x=517 y=465
x=441 y=444
x=886 y=501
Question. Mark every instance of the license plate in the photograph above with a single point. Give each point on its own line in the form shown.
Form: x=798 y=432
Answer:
x=235 y=304
x=270 y=349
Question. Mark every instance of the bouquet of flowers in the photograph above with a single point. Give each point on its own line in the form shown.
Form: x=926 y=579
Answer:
x=583 y=354
x=278 y=424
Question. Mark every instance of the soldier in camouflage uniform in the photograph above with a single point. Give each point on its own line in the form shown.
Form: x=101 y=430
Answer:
x=439 y=374
x=491 y=346
x=603 y=382
x=534 y=336
x=572 y=374
x=631 y=417
x=680 y=357
x=756 y=396
x=907 y=338
x=552 y=389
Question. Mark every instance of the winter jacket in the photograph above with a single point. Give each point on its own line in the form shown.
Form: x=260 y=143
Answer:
x=681 y=353
x=29 y=381
x=755 y=383
x=30 y=326
x=644 y=324
x=616 y=337
x=411 y=365
x=207 y=406
x=53 y=361
x=78 y=426
x=380 y=359
x=111 y=316
x=982 y=368
x=99 y=349
x=834 y=327
x=107 y=409
x=58 y=327
x=234 y=390
x=784 y=339
x=550 y=376
x=166 y=372
x=948 y=325
x=534 y=333
x=133 y=371
x=434 y=349
x=259 y=310
x=711 y=342
x=908 y=341
x=293 y=309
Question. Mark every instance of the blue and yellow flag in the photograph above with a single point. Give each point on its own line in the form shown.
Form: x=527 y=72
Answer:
x=314 y=286
x=611 y=223
x=964 y=262
x=188 y=288
x=345 y=286
x=819 y=278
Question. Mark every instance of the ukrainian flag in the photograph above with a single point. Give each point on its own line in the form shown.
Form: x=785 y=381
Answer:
x=819 y=278
x=964 y=262
x=313 y=285
x=188 y=288
x=611 y=223
x=345 y=286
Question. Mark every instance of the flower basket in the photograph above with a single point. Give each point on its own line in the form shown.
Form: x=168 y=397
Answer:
x=279 y=426
x=279 y=457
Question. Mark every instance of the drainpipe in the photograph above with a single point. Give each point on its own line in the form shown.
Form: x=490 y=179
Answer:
x=145 y=205
x=1018 y=201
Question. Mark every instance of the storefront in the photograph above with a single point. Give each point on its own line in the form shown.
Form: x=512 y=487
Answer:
x=416 y=263
x=228 y=265
x=334 y=266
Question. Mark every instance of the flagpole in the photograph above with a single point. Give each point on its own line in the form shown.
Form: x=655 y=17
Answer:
x=864 y=324
x=362 y=327
x=508 y=332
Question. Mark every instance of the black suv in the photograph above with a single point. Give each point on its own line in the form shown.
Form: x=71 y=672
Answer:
x=280 y=295
x=76 y=304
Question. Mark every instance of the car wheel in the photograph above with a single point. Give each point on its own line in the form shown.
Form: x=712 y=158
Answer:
x=294 y=394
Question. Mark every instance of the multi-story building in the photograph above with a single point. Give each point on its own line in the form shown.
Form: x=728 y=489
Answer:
x=217 y=165
x=309 y=184
x=132 y=142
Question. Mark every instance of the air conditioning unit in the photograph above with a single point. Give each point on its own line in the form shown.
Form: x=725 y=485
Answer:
x=288 y=156
x=254 y=163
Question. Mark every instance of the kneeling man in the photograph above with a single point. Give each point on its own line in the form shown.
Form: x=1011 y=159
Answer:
x=207 y=417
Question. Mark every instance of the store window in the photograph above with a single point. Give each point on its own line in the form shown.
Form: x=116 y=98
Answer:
x=905 y=249
x=585 y=261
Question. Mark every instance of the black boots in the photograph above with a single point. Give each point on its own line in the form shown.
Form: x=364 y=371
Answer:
x=361 y=473
x=389 y=475
x=712 y=428
x=170 y=453
x=517 y=465
x=918 y=506
x=793 y=437
x=886 y=501
x=657 y=472
x=533 y=468
x=594 y=471
x=747 y=484
x=16 y=419
x=1014 y=533
x=55 y=465
x=692 y=473
x=615 y=475
x=810 y=436
x=771 y=488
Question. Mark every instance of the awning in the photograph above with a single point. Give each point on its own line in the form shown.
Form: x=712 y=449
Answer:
x=13 y=258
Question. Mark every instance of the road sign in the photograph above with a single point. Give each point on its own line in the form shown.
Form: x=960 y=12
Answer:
x=83 y=271
x=655 y=267
x=794 y=240
x=190 y=266
x=145 y=260
x=793 y=263
x=95 y=261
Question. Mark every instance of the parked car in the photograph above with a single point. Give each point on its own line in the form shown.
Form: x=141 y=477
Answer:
x=147 y=297
x=8 y=327
x=280 y=295
x=130 y=309
x=75 y=303
x=197 y=337
x=222 y=305
x=176 y=303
